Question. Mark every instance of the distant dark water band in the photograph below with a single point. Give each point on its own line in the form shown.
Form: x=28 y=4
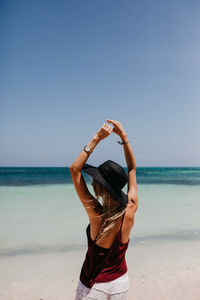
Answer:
x=39 y=175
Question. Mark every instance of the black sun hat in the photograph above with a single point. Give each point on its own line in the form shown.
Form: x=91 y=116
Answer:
x=112 y=176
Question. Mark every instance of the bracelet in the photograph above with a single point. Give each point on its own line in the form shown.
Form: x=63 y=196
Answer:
x=121 y=143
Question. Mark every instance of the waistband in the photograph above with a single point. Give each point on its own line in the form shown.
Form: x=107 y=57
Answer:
x=119 y=285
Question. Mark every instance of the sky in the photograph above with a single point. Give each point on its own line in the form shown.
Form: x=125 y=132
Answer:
x=67 y=66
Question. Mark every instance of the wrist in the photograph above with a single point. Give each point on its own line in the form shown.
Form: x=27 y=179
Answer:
x=93 y=142
x=124 y=137
x=96 y=138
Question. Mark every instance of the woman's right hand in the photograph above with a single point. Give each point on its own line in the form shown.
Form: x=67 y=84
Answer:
x=118 y=128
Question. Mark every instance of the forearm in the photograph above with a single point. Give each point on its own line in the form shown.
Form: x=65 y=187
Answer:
x=83 y=156
x=128 y=152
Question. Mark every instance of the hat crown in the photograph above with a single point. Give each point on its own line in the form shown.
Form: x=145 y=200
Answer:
x=114 y=174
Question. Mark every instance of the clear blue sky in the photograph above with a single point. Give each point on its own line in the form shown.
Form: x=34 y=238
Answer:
x=66 y=66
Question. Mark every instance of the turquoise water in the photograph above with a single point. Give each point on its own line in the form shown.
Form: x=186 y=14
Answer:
x=40 y=211
x=47 y=175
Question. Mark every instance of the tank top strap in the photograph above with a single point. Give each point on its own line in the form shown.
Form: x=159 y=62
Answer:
x=96 y=236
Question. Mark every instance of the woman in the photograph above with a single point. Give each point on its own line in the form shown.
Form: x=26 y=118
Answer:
x=111 y=218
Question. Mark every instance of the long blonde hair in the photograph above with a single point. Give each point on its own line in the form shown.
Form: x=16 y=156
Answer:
x=111 y=210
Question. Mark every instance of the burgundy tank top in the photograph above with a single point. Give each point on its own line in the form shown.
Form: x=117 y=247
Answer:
x=103 y=268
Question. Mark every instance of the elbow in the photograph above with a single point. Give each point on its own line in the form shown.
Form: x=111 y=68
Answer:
x=132 y=170
x=73 y=169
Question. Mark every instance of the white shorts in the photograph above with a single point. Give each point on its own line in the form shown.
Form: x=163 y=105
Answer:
x=113 y=290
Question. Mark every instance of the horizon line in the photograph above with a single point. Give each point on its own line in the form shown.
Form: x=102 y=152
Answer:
x=122 y=167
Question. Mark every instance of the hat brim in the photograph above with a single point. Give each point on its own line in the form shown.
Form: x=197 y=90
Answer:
x=94 y=172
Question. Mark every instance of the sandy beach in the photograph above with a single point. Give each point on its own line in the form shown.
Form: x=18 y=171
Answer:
x=54 y=276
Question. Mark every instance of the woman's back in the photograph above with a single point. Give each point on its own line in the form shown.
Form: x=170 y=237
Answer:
x=122 y=224
x=103 y=264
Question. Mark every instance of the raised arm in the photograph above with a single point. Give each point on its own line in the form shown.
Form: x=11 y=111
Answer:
x=87 y=199
x=131 y=164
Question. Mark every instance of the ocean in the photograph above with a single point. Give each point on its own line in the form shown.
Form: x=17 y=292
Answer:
x=43 y=223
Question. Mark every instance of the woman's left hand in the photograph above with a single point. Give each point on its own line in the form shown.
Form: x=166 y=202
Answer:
x=104 y=131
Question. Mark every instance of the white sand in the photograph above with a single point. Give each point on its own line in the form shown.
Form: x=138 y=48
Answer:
x=184 y=284
x=170 y=272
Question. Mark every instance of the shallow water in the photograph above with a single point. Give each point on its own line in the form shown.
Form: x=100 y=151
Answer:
x=43 y=240
x=51 y=218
